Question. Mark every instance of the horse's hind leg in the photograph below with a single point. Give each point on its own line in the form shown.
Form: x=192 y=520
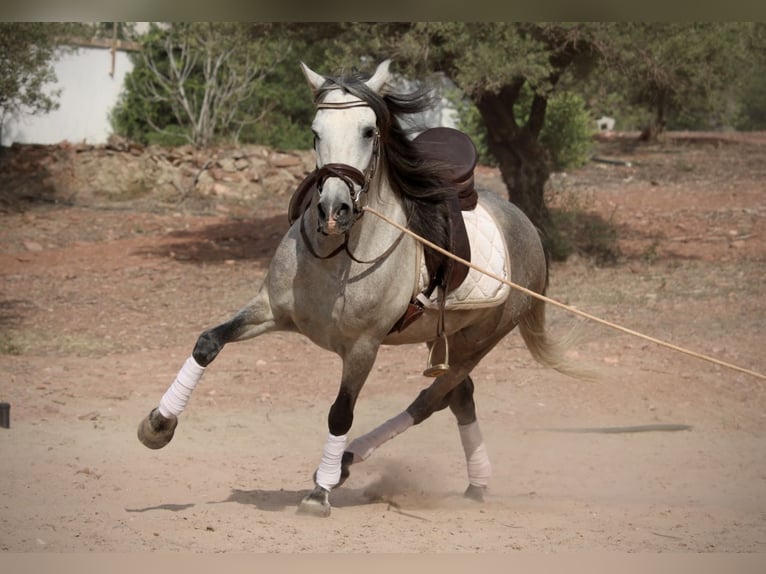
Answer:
x=459 y=399
x=462 y=405
x=157 y=429
x=453 y=389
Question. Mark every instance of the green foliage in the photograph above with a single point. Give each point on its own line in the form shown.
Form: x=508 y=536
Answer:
x=273 y=109
x=202 y=77
x=566 y=135
x=286 y=99
x=568 y=131
x=752 y=109
x=686 y=74
x=602 y=100
x=27 y=52
x=136 y=115
x=753 y=104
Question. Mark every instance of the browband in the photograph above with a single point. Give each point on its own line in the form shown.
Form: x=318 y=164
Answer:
x=341 y=105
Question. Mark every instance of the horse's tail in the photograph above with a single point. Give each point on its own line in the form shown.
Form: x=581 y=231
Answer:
x=551 y=352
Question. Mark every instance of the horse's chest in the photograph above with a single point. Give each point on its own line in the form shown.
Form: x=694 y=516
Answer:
x=334 y=307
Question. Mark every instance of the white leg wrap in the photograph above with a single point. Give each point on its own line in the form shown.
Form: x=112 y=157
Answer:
x=479 y=469
x=363 y=446
x=174 y=400
x=328 y=473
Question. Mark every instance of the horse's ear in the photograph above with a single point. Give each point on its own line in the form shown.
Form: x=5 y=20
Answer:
x=315 y=80
x=380 y=77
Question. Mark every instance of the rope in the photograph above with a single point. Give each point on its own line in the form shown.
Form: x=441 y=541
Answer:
x=567 y=307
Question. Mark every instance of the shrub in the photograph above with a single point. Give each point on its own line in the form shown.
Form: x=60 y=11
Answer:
x=568 y=131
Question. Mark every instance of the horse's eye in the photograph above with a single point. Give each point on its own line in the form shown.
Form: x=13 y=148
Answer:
x=368 y=133
x=316 y=137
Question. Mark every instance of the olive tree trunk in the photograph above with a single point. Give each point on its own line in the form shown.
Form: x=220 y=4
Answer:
x=522 y=160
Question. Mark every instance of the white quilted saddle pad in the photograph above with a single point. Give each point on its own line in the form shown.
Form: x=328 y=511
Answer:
x=488 y=251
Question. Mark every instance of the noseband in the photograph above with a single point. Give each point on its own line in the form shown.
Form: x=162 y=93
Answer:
x=350 y=176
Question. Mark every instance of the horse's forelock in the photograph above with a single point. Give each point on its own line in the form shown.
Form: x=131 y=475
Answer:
x=356 y=86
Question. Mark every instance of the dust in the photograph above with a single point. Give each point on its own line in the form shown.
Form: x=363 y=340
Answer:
x=402 y=486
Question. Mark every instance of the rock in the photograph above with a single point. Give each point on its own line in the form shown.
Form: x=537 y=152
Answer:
x=33 y=246
x=227 y=164
x=221 y=190
x=122 y=170
x=284 y=160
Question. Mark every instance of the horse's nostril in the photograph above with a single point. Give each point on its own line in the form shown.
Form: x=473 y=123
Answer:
x=322 y=214
x=343 y=211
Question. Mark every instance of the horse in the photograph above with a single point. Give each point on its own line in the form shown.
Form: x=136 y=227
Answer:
x=344 y=278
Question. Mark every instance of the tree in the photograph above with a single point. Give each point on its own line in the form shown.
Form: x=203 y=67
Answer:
x=273 y=111
x=753 y=104
x=685 y=73
x=682 y=71
x=492 y=63
x=206 y=74
x=27 y=52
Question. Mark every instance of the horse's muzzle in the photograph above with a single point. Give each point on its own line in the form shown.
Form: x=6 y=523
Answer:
x=339 y=186
x=334 y=218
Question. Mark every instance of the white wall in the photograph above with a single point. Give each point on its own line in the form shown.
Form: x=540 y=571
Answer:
x=88 y=93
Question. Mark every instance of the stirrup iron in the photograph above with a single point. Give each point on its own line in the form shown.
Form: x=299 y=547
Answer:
x=439 y=368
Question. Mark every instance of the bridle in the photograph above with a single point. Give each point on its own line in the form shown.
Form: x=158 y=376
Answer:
x=352 y=177
x=347 y=173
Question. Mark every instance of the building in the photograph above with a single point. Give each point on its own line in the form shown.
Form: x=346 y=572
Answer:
x=90 y=74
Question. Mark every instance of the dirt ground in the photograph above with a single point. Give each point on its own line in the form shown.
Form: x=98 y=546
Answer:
x=101 y=302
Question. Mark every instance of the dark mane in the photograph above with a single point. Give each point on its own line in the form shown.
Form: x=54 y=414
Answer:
x=417 y=181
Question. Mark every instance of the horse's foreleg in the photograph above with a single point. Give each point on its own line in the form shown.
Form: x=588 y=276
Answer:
x=157 y=429
x=333 y=466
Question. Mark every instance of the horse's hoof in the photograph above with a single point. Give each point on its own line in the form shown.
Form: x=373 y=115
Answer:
x=155 y=431
x=316 y=503
x=474 y=492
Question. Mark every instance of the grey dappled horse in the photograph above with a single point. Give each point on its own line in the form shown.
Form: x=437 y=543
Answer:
x=344 y=280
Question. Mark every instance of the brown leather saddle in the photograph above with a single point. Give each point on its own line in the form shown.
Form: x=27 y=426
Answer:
x=457 y=153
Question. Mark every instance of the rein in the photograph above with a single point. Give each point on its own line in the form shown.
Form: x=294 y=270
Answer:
x=569 y=308
x=344 y=247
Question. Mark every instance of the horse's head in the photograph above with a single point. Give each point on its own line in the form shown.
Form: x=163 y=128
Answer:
x=346 y=142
